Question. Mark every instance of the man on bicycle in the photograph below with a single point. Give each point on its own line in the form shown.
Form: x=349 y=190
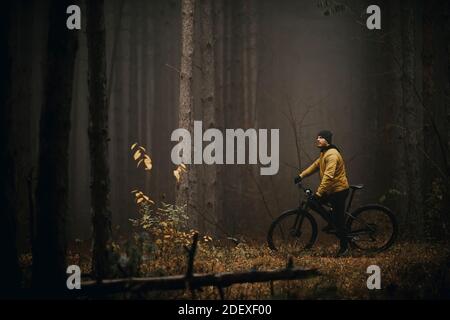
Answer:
x=333 y=186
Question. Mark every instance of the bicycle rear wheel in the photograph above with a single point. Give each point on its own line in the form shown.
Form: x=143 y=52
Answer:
x=292 y=232
x=372 y=228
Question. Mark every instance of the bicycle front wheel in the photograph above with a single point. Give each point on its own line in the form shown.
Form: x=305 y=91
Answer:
x=373 y=228
x=292 y=232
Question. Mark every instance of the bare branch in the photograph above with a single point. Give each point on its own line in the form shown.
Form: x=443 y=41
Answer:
x=173 y=68
x=261 y=192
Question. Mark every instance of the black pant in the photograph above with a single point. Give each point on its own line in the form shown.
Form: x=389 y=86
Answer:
x=337 y=201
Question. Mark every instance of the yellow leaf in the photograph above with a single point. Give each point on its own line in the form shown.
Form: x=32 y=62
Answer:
x=134 y=145
x=142 y=148
x=139 y=200
x=176 y=173
x=134 y=191
x=183 y=166
x=137 y=154
x=147 y=163
x=140 y=161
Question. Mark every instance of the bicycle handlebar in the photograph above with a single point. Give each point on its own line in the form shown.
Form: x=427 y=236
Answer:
x=307 y=191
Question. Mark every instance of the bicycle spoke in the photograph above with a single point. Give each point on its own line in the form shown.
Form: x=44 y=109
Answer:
x=371 y=229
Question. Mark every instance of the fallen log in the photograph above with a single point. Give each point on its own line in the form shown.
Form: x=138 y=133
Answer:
x=196 y=281
x=191 y=281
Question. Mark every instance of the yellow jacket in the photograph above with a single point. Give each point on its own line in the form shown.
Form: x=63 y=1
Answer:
x=332 y=172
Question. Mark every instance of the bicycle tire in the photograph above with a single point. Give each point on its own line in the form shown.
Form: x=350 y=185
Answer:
x=359 y=212
x=289 y=214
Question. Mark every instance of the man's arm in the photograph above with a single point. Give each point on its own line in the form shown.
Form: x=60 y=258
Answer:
x=310 y=170
x=328 y=174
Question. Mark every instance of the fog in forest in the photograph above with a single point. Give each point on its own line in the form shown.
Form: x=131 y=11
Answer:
x=276 y=62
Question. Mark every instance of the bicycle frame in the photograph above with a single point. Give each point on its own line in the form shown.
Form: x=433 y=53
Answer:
x=320 y=210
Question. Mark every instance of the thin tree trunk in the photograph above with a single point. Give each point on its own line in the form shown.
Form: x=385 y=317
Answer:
x=252 y=49
x=79 y=193
x=219 y=56
x=210 y=110
x=75 y=141
x=412 y=115
x=428 y=92
x=244 y=25
x=385 y=146
x=133 y=175
x=229 y=218
x=9 y=268
x=142 y=72
x=446 y=200
x=397 y=125
x=49 y=263
x=234 y=115
x=188 y=181
x=22 y=66
x=98 y=139
x=114 y=102
x=149 y=79
x=250 y=82
x=133 y=106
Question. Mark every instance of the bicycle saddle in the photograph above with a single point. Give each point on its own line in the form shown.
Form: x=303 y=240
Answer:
x=357 y=186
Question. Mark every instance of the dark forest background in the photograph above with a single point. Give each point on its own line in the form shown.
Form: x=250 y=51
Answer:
x=74 y=102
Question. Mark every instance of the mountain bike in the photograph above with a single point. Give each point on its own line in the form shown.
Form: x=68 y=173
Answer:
x=370 y=228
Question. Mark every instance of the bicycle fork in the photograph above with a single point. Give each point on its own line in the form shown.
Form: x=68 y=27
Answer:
x=298 y=224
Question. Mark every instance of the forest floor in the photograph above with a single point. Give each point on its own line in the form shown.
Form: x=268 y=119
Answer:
x=408 y=271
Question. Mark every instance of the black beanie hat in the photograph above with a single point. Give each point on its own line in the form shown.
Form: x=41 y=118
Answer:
x=326 y=134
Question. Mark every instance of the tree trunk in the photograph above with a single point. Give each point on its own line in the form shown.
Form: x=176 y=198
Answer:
x=133 y=175
x=428 y=175
x=9 y=268
x=116 y=97
x=244 y=28
x=250 y=25
x=149 y=56
x=229 y=219
x=446 y=156
x=142 y=72
x=133 y=106
x=21 y=75
x=121 y=115
x=49 y=263
x=397 y=126
x=98 y=139
x=412 y=115
x=209 y=107
x=252 y=49
x=188 y=181
x=219 y=7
